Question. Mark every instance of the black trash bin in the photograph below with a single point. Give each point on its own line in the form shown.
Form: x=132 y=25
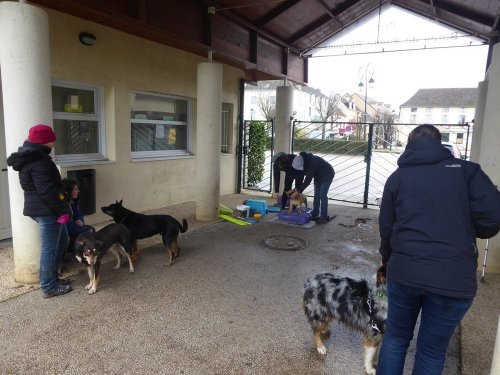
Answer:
x=85 y=179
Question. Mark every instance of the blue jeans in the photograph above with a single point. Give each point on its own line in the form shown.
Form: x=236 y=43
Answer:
x=439 y=317
x=54 y=243
x=321 y=199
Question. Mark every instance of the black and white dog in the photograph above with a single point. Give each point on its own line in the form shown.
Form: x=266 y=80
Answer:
x=90 y=248
x=354 y=303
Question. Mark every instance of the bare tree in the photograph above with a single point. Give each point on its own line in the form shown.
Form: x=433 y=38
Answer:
x=328 y=109
x=267 y=105
x=384 y=130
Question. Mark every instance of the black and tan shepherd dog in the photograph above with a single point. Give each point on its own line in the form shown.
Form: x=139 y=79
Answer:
x=143 y=226
x=90 y=248
x=355 y=303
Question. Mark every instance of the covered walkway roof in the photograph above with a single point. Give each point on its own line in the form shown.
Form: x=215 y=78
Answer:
x=269 y=39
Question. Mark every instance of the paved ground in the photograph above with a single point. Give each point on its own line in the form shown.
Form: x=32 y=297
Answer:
x=228 y=305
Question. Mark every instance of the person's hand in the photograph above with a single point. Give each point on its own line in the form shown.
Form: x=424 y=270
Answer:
x=79 y=222
x=63 y=219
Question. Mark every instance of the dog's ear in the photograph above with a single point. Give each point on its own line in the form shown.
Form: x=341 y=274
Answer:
x=120 y=203
x=381 y=277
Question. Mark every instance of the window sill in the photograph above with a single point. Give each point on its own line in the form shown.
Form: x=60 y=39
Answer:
x=161 y=158
x=83 y=163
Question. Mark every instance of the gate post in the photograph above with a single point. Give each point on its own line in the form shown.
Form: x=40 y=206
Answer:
x=368 y=160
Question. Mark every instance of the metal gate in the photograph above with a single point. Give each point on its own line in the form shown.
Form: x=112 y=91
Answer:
x=363 y=154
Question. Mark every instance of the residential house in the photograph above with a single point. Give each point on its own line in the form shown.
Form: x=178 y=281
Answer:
x=451 y=109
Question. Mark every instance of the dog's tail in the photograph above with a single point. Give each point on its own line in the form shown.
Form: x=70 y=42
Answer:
x=184 y=227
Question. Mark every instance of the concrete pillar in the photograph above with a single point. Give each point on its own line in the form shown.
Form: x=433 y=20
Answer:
x=482 y=90
x=495 y=364
x=486 y=151
x=27 y=101
x=208 y=135
x=283 y=124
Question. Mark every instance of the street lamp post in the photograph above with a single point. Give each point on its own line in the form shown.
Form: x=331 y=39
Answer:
x=363 y=76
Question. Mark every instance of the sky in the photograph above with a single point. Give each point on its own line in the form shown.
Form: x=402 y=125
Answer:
x=339 y=66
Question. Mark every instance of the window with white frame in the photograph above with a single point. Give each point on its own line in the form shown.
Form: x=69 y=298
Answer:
x=226 y=127
x=160 y=125
x=78 y=121
x=413 y=119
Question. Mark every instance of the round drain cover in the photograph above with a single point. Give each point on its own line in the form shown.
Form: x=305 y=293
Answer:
x=285 y=243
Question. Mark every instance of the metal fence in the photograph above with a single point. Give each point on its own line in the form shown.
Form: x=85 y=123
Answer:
x=363 y=154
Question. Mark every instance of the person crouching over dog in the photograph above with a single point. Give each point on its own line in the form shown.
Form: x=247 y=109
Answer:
x=317 y=168
x=283 y=163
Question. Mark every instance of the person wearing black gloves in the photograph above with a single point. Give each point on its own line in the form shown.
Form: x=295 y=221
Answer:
x=317 y=168
x=433 y=208
x=283 y=162
x=44 y=202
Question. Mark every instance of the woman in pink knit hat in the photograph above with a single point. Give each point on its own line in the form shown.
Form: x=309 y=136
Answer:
x=45 y=203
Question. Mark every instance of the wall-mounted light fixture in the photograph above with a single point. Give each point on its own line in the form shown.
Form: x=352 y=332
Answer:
x=87 y=39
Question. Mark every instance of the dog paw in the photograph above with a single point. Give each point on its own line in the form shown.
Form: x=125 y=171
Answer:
x=321 y=350
x=115 y=268
x=92 y=291
x=87 y=287
x=371 y=371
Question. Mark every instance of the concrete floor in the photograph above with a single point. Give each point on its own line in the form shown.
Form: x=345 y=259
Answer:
x=228 y=305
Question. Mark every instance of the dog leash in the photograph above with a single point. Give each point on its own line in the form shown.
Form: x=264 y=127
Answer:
x=369 y=303
x=357 y=221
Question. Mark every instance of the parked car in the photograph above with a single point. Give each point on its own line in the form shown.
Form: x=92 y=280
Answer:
x=455 y=151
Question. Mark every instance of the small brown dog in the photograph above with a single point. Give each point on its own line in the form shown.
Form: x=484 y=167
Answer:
x=297 y=201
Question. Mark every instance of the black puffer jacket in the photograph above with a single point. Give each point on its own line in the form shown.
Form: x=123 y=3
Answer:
x=40 y=179
x=317 y=168
x=433 y=208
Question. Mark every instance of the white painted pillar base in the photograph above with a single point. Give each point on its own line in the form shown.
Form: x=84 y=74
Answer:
x=208 y=144
x=283 y=125
x=27 y=99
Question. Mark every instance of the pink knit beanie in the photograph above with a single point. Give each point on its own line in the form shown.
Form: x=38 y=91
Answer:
x=41 y=134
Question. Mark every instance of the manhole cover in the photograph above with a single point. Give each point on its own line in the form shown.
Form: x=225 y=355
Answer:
x=285 y=243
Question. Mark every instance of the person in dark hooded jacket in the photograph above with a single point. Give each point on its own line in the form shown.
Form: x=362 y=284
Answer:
x=433 y=208
x=283 y=162
x=44 y=202
x=317 y=168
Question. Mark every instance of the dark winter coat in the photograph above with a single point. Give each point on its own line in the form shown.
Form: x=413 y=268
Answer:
x=291 y=175
x=73 y=228
x=315 y=167
x=433 y=208
x=40 y=180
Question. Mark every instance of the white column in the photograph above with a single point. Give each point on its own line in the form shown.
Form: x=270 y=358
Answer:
x=495 y=364
x=208 y=135
x=283 y=124
x=487 y=150
x=27 y=101
x=477 y=136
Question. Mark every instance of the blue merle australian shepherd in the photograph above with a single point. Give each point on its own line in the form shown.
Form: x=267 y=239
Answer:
x=355 y=303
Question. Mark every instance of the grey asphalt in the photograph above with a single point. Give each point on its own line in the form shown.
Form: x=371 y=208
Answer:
x=228 y=305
